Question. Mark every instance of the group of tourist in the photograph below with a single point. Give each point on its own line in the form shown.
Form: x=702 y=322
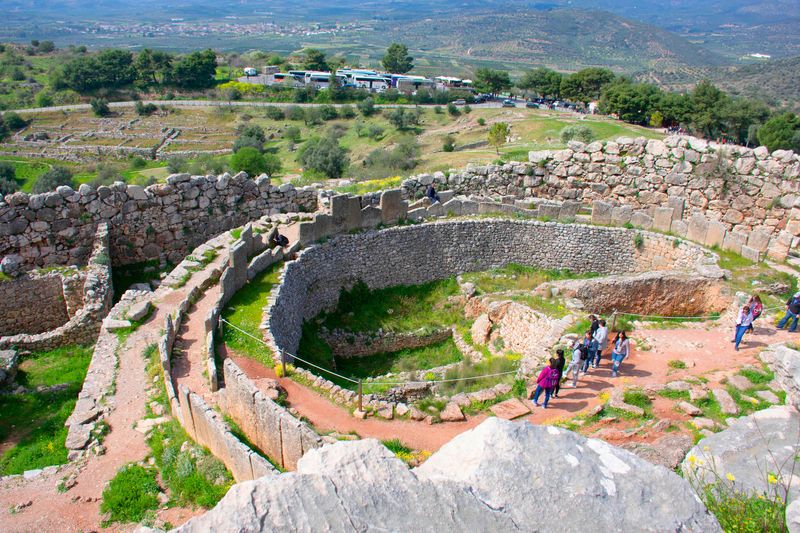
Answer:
x=753 y=309
x=587 y=352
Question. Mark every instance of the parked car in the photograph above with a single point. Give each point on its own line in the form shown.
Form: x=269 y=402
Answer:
x=532 y=105
x=460 y=101
x=509 y=103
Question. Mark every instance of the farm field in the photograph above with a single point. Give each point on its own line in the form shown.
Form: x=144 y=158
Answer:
x=199 y=140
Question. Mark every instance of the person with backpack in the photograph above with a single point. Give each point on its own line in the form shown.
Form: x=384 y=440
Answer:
x=743 y=323
x=756 y=308
x=560 y=363
x=431 y=194
x=621 y=350
x=792 y=312
x=547 y=381
x=579 y=353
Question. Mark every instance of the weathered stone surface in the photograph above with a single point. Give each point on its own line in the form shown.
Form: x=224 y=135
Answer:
x=689 y=409
x=785 y=362
x=667 y=451
x=726 y=403
x=361 y=486
x=739 y=382
x=138 y=311
x=452 y=413
x=510 y=409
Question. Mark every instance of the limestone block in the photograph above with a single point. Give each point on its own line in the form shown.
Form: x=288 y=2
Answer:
x=268 y=433
x=662 y=218
x=469 y=207
x=621 y=215
x=601 y=212
x=641 y=219
x=677 y=203
x=307 y=232
x=436 y=210
x=346 y=213
x=371 y=217
x=238 y=264
x=417 y=214
x=734 y=241
x=452 y=207
x=751 y=253
x=324 y=225
x=569 y=209
x=446 y=196
x=698 y=227
x=679 y=228
x=549 y=210
x=758 y=240
x=291 y=441
x=392 y=206
x=715 y=234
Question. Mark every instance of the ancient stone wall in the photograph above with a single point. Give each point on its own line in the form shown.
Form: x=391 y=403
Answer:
x=416 y=254
x=745 y=190
x=163 y=220
x=348 y=344
x=83 y=325
x=32 y=304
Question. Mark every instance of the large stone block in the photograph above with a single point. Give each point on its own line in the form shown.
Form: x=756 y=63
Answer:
x=551 y=211
x=291 y=441
x=601 y=212
x=237 y=457
x=751 y=253
x=662 y=218
x=734 y=241
x=392 y=206
x=758 y=240
x=677 y=203
x=641 y=219
x=307 y=232
x=679 y=228
x=469 y=207
x=268 y=434
x=715 y=233
x=371 y=217
x=453 y=207
x=621 y=215
x=346 y=213
x=569 y=210
x=698 y=227
x=238 y=264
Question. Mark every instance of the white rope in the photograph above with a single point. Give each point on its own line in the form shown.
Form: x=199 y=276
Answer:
x=439 y=380
x=701 y=317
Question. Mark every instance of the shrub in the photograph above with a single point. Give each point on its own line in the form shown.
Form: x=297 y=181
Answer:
x=247 y=142
x=449 y=144
x=249 y=160
x=312 y=116
x=676 y=364
x=366 y=107
x=176 y=164
x=328 y=112
x=100 y=107
x=8 y=186
x=481 y=121
x=638 y=241
x=7 y=171
x=53 y=178
x=292 y=133
x=138 y=162
x=438 y=110
x=295 y=112
x=324 y=154
x=145 y=109
x=14 y=121
x=273 y=164
x=577 y=132
x=130 y=494
x=347 y=111
x=467 y=109
x=275 y=113
x=452 y=110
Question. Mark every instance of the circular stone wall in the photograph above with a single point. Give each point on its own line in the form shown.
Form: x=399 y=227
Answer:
x=410 y=255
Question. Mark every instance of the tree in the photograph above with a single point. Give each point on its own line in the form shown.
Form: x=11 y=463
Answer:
x=249 y=160
x=577 y=132
x=273 y=164
x=542 y=81
x=150 y=64
x=633 y=103
x=396 y=59
x=52 y=179
x=314 y=59
x=292 y=133
x=8 y=179
x=45 y=47
x=498 y=132
x=366 y=106
x=448 y=144
x=781 y=132
x=100 y=107
x=115 y=68
x=325 y=155
x=3 y=128
x=14 y=121
x=707 y=109
x=195 y=70
x=492 y=81
x=402 y=119
x=586 y=85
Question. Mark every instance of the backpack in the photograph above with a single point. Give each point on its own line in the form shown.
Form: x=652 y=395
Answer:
x=552 y=379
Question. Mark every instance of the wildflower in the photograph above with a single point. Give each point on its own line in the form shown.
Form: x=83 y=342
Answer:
x=772 y=479
x=706 y=449
x=692 y=460
x=730 y=477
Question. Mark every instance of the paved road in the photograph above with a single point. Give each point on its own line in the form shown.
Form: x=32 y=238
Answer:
x=221 y=103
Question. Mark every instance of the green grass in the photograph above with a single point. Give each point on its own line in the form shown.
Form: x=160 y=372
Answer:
x=519 y=277
x=61 y=365
x=193 y=476
x=130 y=495
x=674 y=394
x=239 y=433
x=637 y=398
x=399 y=308
x=756 y=377
x=245 y=311
x=739 y=512
x=468 y=370
x=396 y=446
x=439 y=354
x=676 y=364
x=35 y=421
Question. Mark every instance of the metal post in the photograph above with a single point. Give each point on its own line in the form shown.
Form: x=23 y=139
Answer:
x=614 y=320
x=283 y=362
x=360 y=396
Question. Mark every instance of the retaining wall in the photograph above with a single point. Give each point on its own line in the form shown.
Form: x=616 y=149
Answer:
x=163 y=220
x=44 y=293
x=417 y=254
x=347 y=344
x=84 y=325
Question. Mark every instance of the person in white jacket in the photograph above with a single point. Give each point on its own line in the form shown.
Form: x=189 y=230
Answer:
x=743 y=322
x=601 y=343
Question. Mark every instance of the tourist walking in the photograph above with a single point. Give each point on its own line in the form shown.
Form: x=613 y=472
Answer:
x=579 y=353
x=743 y=323
x=600 y=342
x=591 y=344
x=560 y=363
x=622 y=347
x=547 y=381
x=588 y=350
x=792 y=310
x=756 y=308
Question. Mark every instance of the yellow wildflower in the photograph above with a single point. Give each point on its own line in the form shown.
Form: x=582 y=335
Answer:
x=692 y=460
x=772 y=479
x=730 y=477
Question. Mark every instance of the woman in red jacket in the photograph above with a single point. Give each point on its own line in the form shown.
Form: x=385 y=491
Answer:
x=547 y=381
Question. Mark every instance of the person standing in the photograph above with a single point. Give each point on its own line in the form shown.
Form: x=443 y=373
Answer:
x=546 y=382
x=756 y=308
x=576 y=363
x=622 y=347
x=743 y=323
x=560 y=363
x=792 y=310
x=601 y=342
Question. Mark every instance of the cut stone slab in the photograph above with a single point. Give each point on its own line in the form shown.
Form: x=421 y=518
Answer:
x=679 y=385
x=78 y=437
x=362 y=486
x=739 y=382
x=726 y=403
x=452 y=413
x=139 y=311
x=768 y=396
x=667 y=451
x=386 y=413
x=689 y=409
x=703 y=423
x=113 y=324
x=510 y=409
x=696 y=394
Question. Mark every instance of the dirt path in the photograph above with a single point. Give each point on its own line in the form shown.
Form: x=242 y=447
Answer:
x=189 y=364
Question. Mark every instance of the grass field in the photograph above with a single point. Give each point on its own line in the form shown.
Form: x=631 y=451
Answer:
x=32 y=430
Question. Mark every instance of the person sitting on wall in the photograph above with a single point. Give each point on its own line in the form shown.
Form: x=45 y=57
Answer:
x=430 y=192
x=279 y=240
